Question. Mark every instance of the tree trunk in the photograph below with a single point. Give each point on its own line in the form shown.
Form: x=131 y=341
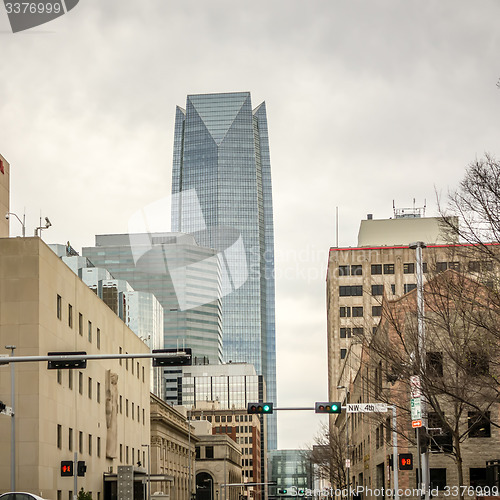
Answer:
x=460 y=469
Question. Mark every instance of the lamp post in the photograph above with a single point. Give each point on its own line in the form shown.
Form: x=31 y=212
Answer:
x=13 y=420
x=23 y=224
x=424 y=457
x=149 y=470
x=348 y=461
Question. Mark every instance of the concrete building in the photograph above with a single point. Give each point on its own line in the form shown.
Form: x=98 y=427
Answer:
x=358 y=277
x=218 y=465
x=172 y=451
x=4 y=196
x=101 y=413
x=244 y=429
x=370 y=434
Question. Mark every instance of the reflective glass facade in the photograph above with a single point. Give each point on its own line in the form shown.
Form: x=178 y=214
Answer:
x=221 y=150
x=190 y=279
x=289 y=468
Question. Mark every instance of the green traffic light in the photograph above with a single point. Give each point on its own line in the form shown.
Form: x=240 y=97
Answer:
x=266 y=408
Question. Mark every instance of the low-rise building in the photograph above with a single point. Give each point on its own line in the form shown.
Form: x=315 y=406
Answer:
x=100 y=414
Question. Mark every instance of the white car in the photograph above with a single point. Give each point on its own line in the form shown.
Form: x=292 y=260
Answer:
x=20 y=495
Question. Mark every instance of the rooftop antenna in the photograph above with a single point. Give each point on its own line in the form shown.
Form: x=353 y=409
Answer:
x=337 y=227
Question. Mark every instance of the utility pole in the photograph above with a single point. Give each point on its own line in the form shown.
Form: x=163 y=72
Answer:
x=423 y=457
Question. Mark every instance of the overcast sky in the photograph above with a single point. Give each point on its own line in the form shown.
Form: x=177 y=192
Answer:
x=367 y=101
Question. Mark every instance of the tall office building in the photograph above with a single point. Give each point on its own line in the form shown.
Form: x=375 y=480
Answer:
x=359 y=277
x=221 y=153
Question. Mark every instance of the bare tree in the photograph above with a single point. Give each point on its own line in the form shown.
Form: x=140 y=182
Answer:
x=328 y=454
x=459 y=373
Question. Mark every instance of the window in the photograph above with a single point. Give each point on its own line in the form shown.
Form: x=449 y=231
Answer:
x=209 y=452
x=59 y=376
x=376 y=269
x=90 y=331
x=357 y=312
x=98 y=446
x=90 y=388
x=90 y=444
x=351 y=291
x=133 y=408
x=435 y=364
x=197 y=454
x=442 y=440
x=345 y=312
x=98 y=338
x=478 y=477
x=344 y=271
x=98 y=392
x=357 y=270
x=408 y=268
x=357 y=331
x=70 y=315
x=376 y=310
x=441 y=266
x=80 y=382
x=393 y=289
x=388 y=268
x=377 y=290
x=59 y=436
x=345 y=333
x=70 y=379
x=59 y=307
x=121 y=453
x=378 y=379
x=478 y=363
x=121 y=405
x=120 y=351
x=80 y=323
x=409 y=287
x=454 y=265
x=343 y=353
x=126 y=407
x=438 y=478
x=479 y=424
x=70 y=439
x=80 y=442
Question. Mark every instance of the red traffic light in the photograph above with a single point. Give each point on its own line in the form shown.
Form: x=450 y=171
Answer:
x=405 y=461
x=66 y=468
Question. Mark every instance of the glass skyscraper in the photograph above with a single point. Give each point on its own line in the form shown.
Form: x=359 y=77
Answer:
x=221 y=153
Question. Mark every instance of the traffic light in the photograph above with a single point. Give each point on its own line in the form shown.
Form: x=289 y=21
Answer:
x=260 y=408
x=405 y=461
x=81 y=468
x=67 y=468
x=424 y=439
x=282 y=491
x=183 y=357
x=329 y=407
x=67 y=364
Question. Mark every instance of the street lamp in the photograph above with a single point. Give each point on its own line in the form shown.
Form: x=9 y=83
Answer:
x=23 y=222
x=149 y=470
x=348 y=461
x=424 y=457
x=211 y=481
x=13 y=422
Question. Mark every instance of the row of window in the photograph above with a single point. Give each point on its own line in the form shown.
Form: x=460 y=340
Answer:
x=80 y=322
x=377 y=290
x=357 y=312
x=70 y=435
x=409 y=268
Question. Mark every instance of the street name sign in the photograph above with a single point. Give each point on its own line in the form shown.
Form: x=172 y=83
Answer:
x=367 y=408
